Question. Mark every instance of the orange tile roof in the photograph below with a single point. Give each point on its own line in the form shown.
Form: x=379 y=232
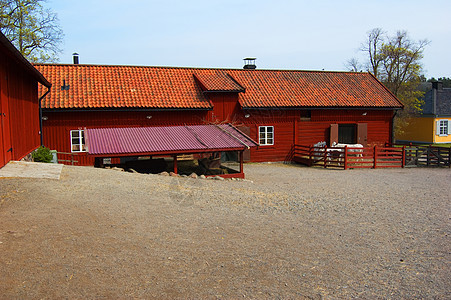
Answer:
x=217 y=80
x=274 y=88
x=96 y=86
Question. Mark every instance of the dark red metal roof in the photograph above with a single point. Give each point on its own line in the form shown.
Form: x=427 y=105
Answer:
x=175 y=139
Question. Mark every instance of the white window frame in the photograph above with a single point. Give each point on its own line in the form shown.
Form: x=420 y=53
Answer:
x=77 y=140
x=443 y=127
x=268 y=135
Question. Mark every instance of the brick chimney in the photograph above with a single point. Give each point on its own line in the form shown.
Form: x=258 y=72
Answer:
x=436 y=86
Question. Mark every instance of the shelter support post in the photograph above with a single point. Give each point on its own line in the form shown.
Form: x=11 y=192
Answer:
x=175 y=164
x=241 y=161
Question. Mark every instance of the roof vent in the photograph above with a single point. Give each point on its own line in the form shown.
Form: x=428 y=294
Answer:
x=249 y=63
x=65 y=87
x=76 y=62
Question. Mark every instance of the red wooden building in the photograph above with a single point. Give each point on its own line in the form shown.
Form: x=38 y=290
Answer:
x=19 y=104
x=276 y=108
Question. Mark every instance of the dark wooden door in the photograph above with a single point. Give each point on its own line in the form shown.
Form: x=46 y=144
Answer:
x=333 y=134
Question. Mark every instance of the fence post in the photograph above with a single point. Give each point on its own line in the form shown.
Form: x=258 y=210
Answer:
x=325 y=156
x=310 y=161
x=403 y=163
x=346 y=157
x=449 y=157
x=428 y=160
x=375 y=157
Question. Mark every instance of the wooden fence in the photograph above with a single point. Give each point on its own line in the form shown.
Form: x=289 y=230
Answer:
x=427 y=156
x=66 y=158
x=350 y=157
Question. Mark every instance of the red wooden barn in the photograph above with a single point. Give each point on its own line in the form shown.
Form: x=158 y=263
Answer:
x=276 y=108
x=19 y=104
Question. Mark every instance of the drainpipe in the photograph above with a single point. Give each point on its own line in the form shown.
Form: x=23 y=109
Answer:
x=40 y=113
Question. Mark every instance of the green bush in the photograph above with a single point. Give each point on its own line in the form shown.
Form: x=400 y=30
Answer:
x=42 y=154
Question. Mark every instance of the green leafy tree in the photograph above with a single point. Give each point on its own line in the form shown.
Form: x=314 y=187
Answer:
x=396 y=62
x=33 y=29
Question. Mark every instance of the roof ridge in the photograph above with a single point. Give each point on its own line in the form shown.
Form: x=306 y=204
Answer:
x=198 y=68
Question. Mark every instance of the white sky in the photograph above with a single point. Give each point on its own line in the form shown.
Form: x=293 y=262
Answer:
x=281 y=34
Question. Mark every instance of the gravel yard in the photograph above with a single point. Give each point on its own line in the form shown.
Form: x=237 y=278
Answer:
x=287 y=232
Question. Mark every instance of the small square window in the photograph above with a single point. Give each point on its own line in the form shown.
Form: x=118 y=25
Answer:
x=443 y=128
x=77 y=141
x=266 y=136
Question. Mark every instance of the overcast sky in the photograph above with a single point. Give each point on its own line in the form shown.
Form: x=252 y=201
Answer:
x=281 y=34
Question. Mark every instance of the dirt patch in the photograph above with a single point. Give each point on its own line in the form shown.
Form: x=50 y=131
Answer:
x=290 y=232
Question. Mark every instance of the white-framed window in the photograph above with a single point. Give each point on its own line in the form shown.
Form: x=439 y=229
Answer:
x=443 y=127
x=77 y=141
x=266 y=135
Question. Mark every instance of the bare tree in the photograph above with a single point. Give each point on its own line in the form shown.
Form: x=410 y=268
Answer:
x=396 y=62
x=372 y=47
x=353 y=65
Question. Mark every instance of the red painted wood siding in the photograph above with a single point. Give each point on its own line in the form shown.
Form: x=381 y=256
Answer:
x=284 y=132
x=225 y=107
x=19 y=110
x=289 y=128
x=317 y=129
x=57 y=127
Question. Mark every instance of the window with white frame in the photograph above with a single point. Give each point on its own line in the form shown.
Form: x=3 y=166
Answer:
x=443 y=127
x=266 y=135
x=77 y=141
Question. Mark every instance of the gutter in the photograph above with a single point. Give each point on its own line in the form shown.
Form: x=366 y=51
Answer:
x=124 y=109
x=40 y=112
x=321 y=108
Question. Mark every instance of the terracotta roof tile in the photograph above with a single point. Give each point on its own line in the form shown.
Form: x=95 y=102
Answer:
x=217 y=80
x=93 y=86
x=272 y=88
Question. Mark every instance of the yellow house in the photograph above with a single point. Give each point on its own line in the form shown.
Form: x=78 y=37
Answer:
x=433 y=126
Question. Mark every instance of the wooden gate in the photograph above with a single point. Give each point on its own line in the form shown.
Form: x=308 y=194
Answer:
x=427 y=156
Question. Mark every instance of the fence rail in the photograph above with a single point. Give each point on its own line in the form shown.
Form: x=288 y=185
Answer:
x=350 y=157
x=428 y=156
x=67 y=157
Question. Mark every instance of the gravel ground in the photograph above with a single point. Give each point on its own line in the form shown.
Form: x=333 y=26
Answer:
x=288 y=232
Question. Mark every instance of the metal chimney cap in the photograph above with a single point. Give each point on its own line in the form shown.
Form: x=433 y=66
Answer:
x=76 y=60
x=249 y=63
